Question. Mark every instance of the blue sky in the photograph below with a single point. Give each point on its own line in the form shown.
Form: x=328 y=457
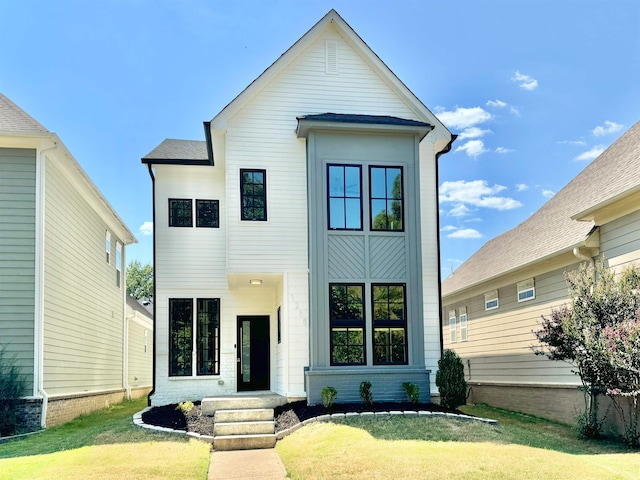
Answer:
x=536 y=89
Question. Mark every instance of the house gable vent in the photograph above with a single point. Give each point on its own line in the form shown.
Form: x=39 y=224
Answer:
x=331 y=56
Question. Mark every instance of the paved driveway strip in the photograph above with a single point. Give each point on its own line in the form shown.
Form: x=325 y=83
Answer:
x=262 y=464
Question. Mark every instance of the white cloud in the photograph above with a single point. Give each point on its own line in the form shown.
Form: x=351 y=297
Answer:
x=548 y=193
x=476 y=193
x=473 y=148
x=503 y=150
x=525 y=81
x=496 y=103
x=460 y=210
x=590 y=154
x=448 y=228
x=146 y=228
x=473 y=132
x=607 y=128
x=521 y=187
x=463 y=117
x=477 y=219
x=572 y=142
x=514 y=111
x=465 y=233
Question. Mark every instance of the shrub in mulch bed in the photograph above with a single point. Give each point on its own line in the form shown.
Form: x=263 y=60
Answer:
x=286 y=416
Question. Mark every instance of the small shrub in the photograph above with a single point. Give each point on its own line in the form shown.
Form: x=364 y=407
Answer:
x=12 y=387
x=185 y=407
x=450 y=380
x=413 y=392
x=365 y=394
x=329 y=395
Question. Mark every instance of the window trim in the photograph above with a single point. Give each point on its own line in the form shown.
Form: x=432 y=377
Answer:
x=362 y=323
x=386 y=199
x=171 y=211
x=489 y=298
x=329 y=197
x=453 y=327
x=216 y=220
x=525 y=287
x=387 y=323
x=264 y=186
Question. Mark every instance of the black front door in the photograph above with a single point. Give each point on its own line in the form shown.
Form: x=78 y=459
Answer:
x=253 y=353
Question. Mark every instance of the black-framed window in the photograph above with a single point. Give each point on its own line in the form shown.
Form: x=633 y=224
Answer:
x=346 y=317
x=344 y=187
x=208 y=213
x=180 y=212
x=208 y=336
x=387 y=198
x=182 y=341
x=389 y=324
x=253 y=193
x=180 y=337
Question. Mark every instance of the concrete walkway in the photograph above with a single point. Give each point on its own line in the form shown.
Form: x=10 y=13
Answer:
x=262 y=464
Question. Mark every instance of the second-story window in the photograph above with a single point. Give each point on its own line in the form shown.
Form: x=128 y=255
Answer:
x=253 y=194
x=118 y=264
x=387 y=201
x=107 y=245
x=344 y=197
x=207 y=213
x=180 y=212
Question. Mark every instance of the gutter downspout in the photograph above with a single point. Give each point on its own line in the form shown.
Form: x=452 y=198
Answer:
x=38 y=327
x=581 y=256
x=153 y=199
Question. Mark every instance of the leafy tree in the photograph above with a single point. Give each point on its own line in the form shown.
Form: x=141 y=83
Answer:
x=139 y=280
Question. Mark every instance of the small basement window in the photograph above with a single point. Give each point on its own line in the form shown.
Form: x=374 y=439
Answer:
x=526 y=290
x=491 y=301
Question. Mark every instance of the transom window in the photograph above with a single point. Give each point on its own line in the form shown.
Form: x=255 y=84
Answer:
x=180 y=212
x=386 y=198
x=182 y=343
x=345 y=197
x=389 y=324
x=491 y=301
x=207 y=213
x=526 y=290
x=253 y=192
x=346 y=317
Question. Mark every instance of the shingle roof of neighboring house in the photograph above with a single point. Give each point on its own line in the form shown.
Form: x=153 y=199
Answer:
x=137 y=306
x=177 y=150
x=550 y=230
x=15 y=120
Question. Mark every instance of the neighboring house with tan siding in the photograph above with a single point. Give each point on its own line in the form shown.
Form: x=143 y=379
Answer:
x=62 y=275
x=494 y=300
x=297 y=247
x=139 y=335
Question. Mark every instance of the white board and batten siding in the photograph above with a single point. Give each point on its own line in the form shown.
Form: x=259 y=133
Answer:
x=83 y=306
x=17 y=256
x=498 y=349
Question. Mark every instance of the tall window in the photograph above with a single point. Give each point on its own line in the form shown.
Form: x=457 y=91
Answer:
x=253 y=193
x=180 y=212
x=346 y=316
x=464 y=334
x=345 y=197
x=207 y=213
x=453 y=338
x=118 y=264
x=208 y=336
x=107 y=245
x=387 y=200
x=205 y=343
x=389 y=324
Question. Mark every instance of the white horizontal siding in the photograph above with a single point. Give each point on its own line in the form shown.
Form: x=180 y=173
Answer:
x=140 y=354
x=83 y=307
x=620 y=241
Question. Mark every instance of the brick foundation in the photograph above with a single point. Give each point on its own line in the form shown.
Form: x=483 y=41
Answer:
x=63 y=408
x=28 y=414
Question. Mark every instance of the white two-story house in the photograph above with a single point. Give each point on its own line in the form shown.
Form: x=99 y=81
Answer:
x=297 y=247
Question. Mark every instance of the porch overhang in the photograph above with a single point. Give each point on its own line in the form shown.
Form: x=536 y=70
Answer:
x=255 y=280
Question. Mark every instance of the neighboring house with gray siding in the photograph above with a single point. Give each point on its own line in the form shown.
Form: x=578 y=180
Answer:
x=62 y=267
x=494 y=300
x=297 y=247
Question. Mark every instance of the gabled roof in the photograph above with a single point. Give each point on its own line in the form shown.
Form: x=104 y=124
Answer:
x=15 y=120
x=219 y=121
x=172 y=151
x=551 y=230
x=145 y=308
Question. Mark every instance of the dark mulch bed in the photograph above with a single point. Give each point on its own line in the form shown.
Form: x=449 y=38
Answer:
x=286 y=416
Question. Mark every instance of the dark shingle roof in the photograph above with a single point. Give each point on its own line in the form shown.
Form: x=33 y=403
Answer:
x=550 y=230
x=14 y=119
x=137 y=306
x=178 y=150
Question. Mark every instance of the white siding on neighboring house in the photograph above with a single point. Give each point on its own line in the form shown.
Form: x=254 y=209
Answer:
x=140 y=352
x=83 y=329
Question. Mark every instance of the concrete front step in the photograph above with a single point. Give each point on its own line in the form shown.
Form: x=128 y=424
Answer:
x=241 y=402
x=243 y=428
x=252 y=415
x=244 y=442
